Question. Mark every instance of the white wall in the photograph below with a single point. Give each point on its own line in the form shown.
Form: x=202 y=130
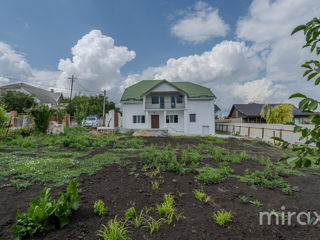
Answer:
x=179 y=127
x=130 y=109
x=204 y=110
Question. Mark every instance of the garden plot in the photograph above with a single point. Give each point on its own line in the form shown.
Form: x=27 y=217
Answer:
x=157 y=187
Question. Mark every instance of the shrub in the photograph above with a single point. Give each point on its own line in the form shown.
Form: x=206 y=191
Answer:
x=222 y=217
x=44 y=214
x=41 y=116
x=214 y=175
x=244 y=156
x=115 y=230
x=99 y=208
x=4 y=119
x=131 y=214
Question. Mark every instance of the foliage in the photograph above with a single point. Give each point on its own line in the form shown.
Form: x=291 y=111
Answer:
x=131 y=214
x=279 y=114
x=44 y=214
x=81 y=109
x=4 y=119
x=167 y=208
x=60 y=111
x=99 y=208
x=153 y=225
x=214 y=175
x=115 y=230
x=256 y=203
x=306 y=154
x=222 y=217
x=287 y=190
x=17 y=101
x=155 y=184
x=41 y=116
x=201 y=195
x=138 y=219
x=243 y=199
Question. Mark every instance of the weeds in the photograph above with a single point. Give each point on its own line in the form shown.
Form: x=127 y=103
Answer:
x=153 y=225
x=115 y=230
x=137 y=220
x=244 y=199
x=155 y=185
x=99 y=208
x=167 y=208
x=201 y=195
x=256 y=203
x=222 y=217
x=131 y=214
x=214 y=175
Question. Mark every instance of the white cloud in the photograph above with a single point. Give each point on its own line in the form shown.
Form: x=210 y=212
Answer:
x=227 y=62
x=200 y=24
x=96 y=62
x=13 y=64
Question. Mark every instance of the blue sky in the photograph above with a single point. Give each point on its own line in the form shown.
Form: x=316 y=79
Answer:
x=241 y=50
x=44 y=31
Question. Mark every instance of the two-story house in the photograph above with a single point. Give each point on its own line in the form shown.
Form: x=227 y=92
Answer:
x=179 y=107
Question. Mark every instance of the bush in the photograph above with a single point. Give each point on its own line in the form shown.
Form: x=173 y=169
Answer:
x=4 y=119
x=44 y=214
x=41 y=116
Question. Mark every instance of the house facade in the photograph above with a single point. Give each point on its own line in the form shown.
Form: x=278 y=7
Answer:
x=182 y=108
x=250 y=113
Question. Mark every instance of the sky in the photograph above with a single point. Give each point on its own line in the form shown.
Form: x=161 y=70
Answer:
x=241 y=50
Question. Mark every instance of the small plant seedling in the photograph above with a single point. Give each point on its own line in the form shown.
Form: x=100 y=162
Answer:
x=295 y=189
x=243 y=156
x=174 y=180
x=244 y=199
x=153 y=225
x=287 y=190
x=99 y=208
x=256 y=203
x=222 y=217
x=155 y=184
x=131 y=214
x=114 y=230
x=201 y=195
x=167 y=208
x=137 y=220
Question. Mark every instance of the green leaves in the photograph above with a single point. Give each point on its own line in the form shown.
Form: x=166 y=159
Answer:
x=44 y=214
x=297 y=95
x=299 y=28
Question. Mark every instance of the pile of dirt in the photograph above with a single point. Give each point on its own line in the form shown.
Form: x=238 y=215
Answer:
x=142 y=133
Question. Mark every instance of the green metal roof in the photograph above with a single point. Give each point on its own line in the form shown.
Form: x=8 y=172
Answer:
x=134 y=92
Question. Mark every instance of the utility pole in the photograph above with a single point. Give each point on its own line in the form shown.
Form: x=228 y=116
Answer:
x=72 y=80
x=104 y=107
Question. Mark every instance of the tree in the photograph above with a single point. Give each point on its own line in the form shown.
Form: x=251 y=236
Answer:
x=306 y=154
x=279 y=114
x=81 y=109
x=41 y=115
x=17 y=101
x=4 y=119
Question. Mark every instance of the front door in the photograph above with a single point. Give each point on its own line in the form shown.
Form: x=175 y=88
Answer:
x=154 y=121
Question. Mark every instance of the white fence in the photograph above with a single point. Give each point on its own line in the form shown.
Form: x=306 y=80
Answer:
x=262 y=131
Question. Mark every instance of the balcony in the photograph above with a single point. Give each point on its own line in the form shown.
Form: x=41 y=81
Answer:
x=165 y=102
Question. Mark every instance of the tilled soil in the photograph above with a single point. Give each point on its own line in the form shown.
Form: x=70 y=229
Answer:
x=120 y=191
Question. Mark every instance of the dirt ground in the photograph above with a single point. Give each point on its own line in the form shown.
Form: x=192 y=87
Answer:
x=120 y=191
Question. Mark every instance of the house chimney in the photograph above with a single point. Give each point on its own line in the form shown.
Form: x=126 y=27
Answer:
x=51 y=90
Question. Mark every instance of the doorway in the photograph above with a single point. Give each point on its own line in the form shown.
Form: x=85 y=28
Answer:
x=154 y=121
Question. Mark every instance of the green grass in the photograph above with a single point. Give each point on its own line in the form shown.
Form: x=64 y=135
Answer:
x=99 y=208
x=256 y=203
x=209 y=175
x=167 y=208
x=201 y=195
x=22 y=171
x=131 y=214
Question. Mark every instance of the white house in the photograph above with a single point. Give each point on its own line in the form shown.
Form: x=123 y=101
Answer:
x=179 y=107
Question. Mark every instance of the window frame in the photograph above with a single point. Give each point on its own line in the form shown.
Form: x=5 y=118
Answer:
x=155 y=100
x=191 y=115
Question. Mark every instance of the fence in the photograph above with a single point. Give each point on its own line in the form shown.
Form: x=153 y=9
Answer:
x=262 y=131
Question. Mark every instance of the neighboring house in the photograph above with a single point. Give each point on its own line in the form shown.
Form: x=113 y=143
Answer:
x=179 y=107
x=40 y=95
x=250 y=113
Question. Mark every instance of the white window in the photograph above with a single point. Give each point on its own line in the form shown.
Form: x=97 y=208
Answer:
x=138 y=119
x=192 y=117
x=172 y=118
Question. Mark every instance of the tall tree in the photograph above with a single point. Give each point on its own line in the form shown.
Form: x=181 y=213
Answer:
x=278 y=114
x=309 y=152
x=17 y=101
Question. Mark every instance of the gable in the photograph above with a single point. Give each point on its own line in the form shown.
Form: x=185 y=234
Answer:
x=164 y=87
